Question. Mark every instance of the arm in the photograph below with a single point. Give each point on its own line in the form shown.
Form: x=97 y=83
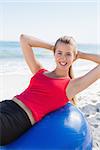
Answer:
x=92 y=57
x=27 y=42
x=79 y=84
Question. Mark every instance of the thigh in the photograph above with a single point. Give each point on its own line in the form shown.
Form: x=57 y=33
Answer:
x=13 y=121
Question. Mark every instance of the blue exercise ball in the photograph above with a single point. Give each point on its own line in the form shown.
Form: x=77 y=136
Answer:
x=63 y=129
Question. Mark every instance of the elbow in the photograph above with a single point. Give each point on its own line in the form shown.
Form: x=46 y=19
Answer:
x=24 y=39
x=22 y=36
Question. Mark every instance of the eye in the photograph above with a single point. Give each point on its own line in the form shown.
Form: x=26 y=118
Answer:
x=59 y=52
x=69 y=54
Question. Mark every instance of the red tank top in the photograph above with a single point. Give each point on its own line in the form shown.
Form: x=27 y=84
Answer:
x=44 y=94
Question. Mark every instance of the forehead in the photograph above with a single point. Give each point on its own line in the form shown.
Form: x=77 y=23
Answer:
x=64 y=47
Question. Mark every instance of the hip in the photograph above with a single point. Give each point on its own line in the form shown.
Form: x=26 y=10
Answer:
x=26 y=109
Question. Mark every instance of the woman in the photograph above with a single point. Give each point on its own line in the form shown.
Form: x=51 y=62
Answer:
x=47 y=91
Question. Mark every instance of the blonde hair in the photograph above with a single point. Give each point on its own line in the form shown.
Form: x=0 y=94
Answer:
x=71 y=41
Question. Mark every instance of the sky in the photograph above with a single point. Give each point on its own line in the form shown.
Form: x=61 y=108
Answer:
x=48 y=20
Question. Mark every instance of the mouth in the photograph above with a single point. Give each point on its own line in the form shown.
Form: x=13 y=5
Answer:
x=62 y=64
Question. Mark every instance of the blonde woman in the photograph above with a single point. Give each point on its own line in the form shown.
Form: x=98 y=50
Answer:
x=47 y=90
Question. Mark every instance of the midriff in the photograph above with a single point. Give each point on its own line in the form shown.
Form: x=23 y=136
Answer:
x=26 y=109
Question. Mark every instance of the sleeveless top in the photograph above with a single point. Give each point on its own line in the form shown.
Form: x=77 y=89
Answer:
x=44 y=94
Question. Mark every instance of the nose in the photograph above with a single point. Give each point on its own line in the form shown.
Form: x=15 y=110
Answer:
x=63 y=58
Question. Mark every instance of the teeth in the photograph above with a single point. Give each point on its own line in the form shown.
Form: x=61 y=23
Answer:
x=63 y=64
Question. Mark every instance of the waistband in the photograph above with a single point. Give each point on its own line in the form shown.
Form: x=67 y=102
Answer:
x=26 y=109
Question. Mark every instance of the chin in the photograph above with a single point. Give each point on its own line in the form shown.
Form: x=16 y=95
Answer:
x=63 y=68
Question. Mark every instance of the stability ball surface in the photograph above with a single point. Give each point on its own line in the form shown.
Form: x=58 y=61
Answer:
x=63 y=129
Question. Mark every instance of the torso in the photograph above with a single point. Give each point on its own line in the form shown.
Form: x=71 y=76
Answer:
x=52 y=94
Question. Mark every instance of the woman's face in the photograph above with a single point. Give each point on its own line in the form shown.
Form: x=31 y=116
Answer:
x=64 y=55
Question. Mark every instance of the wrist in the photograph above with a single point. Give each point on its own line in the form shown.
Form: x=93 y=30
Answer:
x=79 y=54
x=52 y=47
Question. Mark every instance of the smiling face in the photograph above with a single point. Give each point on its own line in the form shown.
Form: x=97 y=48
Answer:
x=64 y=55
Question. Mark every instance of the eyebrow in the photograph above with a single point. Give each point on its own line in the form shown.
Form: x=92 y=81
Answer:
x=59 y=51
x=62 y=51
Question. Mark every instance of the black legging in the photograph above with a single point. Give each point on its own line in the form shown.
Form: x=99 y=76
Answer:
x=13 y=121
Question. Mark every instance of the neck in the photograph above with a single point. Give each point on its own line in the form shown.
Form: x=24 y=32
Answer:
x=61 y=73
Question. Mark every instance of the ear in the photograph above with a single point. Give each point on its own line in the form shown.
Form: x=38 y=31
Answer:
x=76 y=56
